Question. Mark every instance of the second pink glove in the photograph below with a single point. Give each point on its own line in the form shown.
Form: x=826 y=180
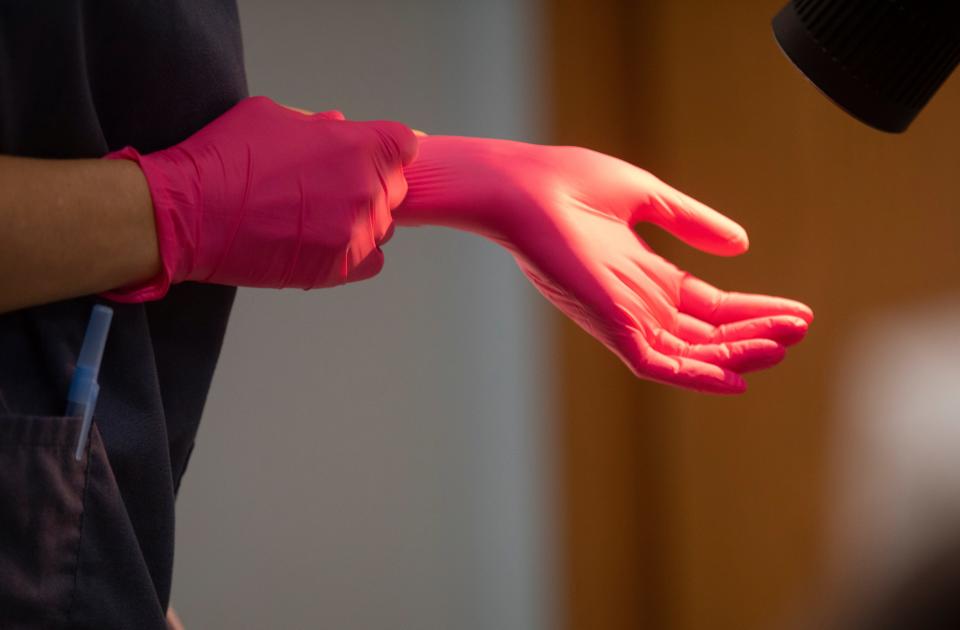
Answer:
x=566 y=214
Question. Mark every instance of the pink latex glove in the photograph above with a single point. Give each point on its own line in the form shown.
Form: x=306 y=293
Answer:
x=268 y=196
x=566 y=215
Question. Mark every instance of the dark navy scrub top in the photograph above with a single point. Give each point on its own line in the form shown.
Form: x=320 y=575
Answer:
x=90 y=544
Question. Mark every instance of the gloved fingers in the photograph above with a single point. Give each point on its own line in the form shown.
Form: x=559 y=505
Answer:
x=400 y=143
x=366 y=268
x=740 y=356
x=381 y=225
x=394 y=184
x=784 y=329
x=379 y=213
x=708 y=303
x=333 y=114
x=647 y=362
x=689 y=220
x=387 y=235
x=631 y=345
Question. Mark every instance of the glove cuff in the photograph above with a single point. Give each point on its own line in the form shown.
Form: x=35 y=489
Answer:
x=173 y=263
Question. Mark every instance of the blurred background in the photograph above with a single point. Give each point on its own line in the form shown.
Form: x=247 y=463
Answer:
x=436 y=449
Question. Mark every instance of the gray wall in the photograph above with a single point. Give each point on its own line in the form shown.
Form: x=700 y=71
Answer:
x=375 y=456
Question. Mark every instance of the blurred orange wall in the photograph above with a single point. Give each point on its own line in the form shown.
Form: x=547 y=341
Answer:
x=690 y=512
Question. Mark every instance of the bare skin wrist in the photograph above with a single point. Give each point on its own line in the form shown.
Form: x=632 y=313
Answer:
x=72 y=228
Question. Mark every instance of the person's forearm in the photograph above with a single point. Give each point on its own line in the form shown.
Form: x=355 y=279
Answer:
x=71 y=228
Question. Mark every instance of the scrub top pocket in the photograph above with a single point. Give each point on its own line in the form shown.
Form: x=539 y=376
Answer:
x=41 y=519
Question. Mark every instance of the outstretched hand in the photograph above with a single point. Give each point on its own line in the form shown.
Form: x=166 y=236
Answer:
x=567 y=216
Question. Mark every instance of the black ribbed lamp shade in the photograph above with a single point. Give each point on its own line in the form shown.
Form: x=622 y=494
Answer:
x=880 y=60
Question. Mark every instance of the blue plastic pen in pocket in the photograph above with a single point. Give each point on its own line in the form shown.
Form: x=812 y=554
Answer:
x=82 y=396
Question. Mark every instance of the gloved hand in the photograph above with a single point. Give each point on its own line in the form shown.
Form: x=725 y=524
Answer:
x=566 y=214
x=268 y=196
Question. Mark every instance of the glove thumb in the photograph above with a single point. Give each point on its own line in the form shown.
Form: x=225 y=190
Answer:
x=692 y=222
